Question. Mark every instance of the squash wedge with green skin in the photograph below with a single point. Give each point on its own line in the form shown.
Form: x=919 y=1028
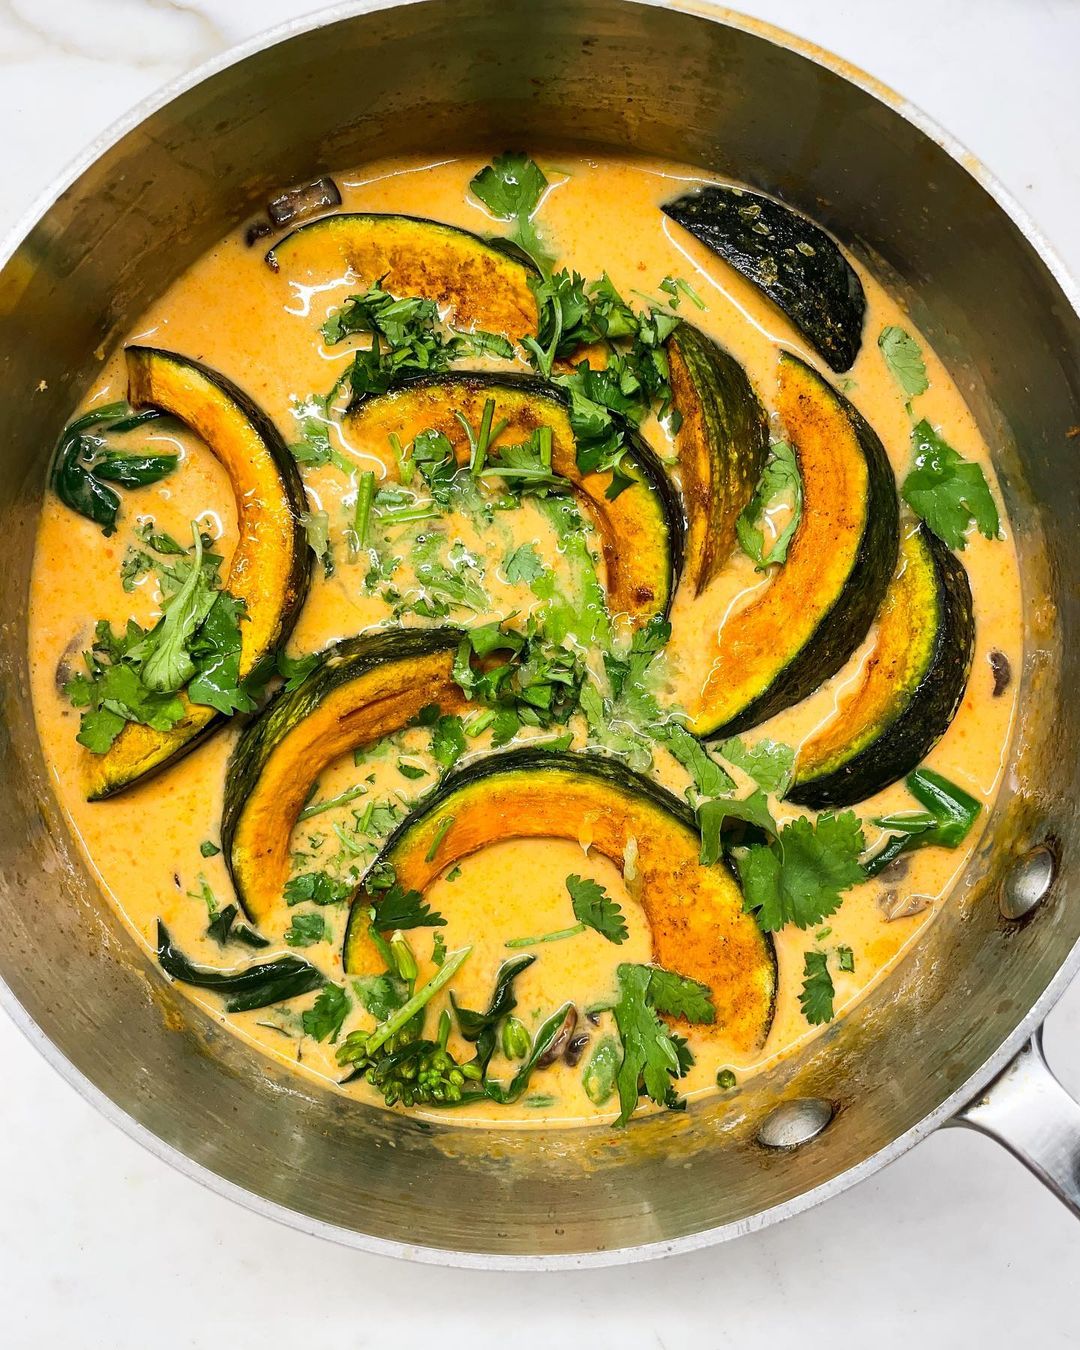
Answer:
x=271 y=564
x=476 y=283
x=640 y=530
x=722 y=443
x=363 y=689
x=819 y=605
x=909 y=689
x=787 y=257
x=695 y=912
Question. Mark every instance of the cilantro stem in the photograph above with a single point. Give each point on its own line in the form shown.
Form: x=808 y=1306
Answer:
x=406 y=466
x=365 y=495
x=350 y=845
x=422 y=997
x=349 y=795
x=557 y=936
x=545 y=437
x=440 y=834
x=407 y=514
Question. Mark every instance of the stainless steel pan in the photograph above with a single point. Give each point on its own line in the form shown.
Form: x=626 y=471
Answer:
x=693 y=84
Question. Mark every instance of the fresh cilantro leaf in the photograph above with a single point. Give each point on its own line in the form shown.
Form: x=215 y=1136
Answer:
x=324 y=1019
x=381 y=995
x=769 y=763
x=676 y=287
x=478 y=343
x=317 y=887
x=595 y=909
x=307 y=929
x=411 y=771
x=949 y=492
x=433 y=455
x=800 y=877
x=652 y=1056
x=817 y=994
x=781 y=482
x=709 y=778
x=904 y=359
x=99 y=727
x=399 y=908
x=215 y=654
x=294 y=670
x=448 y=740
x=511 y=187
x=522 y=564
x=845 y=958
x=208 y=848
x=679 y=996
x=714 y=815
x=166 y=662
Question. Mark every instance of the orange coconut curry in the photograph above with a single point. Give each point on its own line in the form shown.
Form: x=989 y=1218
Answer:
x=518 y=666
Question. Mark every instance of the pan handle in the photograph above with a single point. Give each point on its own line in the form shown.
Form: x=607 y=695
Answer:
x=1027 y=1111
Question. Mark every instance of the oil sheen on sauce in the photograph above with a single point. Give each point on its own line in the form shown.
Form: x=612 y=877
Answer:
x=231 y=312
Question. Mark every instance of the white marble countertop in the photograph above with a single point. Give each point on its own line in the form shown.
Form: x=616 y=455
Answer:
x=104 y=1246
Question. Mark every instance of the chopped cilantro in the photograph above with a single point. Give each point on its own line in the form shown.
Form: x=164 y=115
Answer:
x=307 y=929
x=522 y=564
x=208 y=848
x=595 y=909
x=904 y=360
x=949 y=492
x=799 y=878
x=713 y=817
x=324 y=1019
x=817 y=994
x=845 y=958
x=511 y=187
x=399 y=908
x=781 y=482
x=317 y=887
x=769 y=763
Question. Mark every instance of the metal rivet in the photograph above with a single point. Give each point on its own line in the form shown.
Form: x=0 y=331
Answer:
x=1028 y=883
x=793 y=1123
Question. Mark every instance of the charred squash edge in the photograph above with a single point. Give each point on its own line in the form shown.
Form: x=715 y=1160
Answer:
x=615 y=781
x=791 y=260
x=202 y=721
x=918 y=715
x=510 y=262
x=341 y=664
x=722 y=444
x=847 y=619
x=642 y=460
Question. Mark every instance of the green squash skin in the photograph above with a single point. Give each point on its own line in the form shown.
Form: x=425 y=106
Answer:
x=844 y=626
x=787 y=257
x=342 y=663
x=605 y=769
x=737 y=429
x=642 y=460
x=300 y=578
x=923 y=718
x=505 y=247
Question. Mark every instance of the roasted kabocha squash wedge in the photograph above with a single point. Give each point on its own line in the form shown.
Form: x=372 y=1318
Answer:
x=363 y=689
x=477 y=283
x=641 y=530
x=787 y=257
x=819 y=605
x=695 y=912
x=721 y=443
x=270 y=566
x=909 y=689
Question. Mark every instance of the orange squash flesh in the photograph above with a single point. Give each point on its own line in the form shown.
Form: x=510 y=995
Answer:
x=695 y=912
x=820 y=603
x=276 y=764
x=633 y=529
x=475 y=284
x=271 y=562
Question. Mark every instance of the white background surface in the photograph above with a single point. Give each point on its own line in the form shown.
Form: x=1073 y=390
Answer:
x=102 y=1245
